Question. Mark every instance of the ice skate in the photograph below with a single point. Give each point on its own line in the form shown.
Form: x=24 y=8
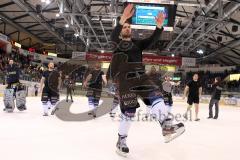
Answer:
x=122 y=148
x=9 y=109
x=22 y=108
x=112 y=115
x=197 y=119
x=45 y=114
x=172 y=131
x=93 y=113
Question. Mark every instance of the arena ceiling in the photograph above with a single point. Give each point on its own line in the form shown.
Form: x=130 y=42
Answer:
x=205 y=29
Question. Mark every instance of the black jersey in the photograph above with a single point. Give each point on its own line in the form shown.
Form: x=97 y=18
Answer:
x=194 y=88
x=96 y=80
x=13 y=74
x=126 y=67
x=133 y=49
x=51 y=79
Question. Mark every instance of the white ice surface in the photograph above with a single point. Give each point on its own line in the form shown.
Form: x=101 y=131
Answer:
x=30 y=136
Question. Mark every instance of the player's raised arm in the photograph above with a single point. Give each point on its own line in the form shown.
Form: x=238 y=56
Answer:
x=127 y=13
x=145 y=43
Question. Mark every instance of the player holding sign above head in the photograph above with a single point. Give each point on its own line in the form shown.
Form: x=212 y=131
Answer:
x=127 y=68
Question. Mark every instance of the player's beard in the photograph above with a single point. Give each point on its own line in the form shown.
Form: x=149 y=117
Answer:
x=126 y=35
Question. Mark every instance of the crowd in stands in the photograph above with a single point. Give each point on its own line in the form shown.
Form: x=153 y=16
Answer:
x=33 y=71
x=29 y=71
x=233 y=86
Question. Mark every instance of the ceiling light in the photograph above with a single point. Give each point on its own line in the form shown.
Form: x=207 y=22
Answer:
x=114 y=22
x=88 y=41
x=81 y=32
x=76 y=34
x=48 y=1
x=200 y=51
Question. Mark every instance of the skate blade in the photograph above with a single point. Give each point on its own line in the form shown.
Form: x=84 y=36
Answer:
x=120 y=153
x=112 y=115
x=169 y=138
x=22 y=108
x=9 y=110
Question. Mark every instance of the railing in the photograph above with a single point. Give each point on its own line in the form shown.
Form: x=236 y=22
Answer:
x=178 y=90
x=2 y=78
x=30 y=77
